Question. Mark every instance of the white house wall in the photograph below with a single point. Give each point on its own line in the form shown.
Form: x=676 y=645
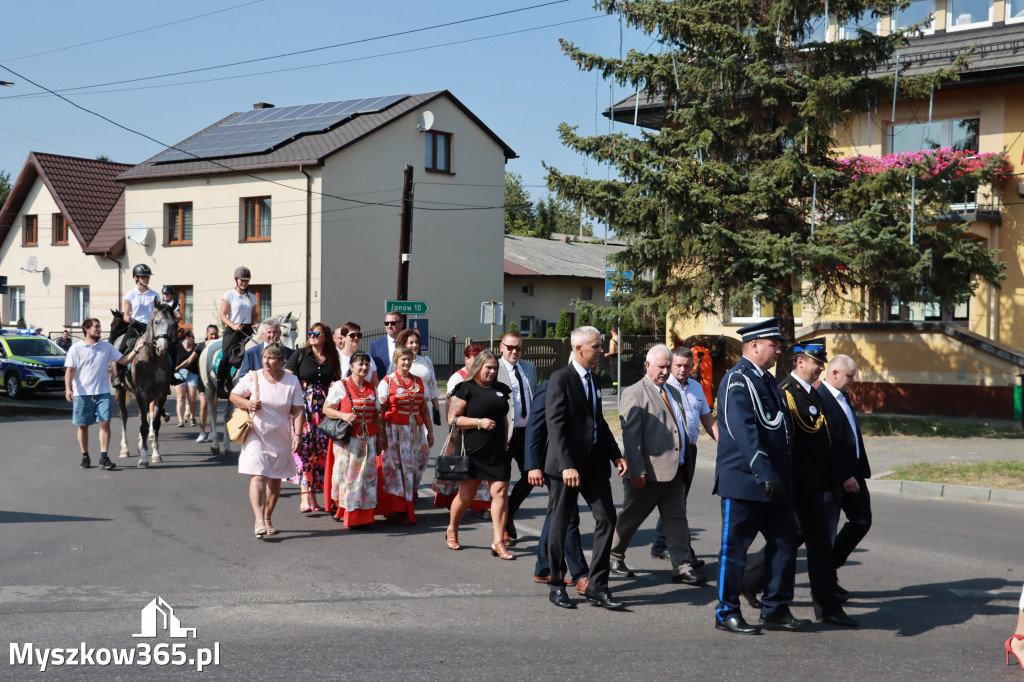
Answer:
x=457 y=256
x=47 y=297
x=550 y=296
x=209 y=262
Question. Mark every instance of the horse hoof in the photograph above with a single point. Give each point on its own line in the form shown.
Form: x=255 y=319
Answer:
x=125 y=453
x=143 y=464
x=156 y=459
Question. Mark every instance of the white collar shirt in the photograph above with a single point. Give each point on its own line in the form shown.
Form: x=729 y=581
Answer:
x=806 y=386
x=582 y=372
x=847 y=410
x=519 y=394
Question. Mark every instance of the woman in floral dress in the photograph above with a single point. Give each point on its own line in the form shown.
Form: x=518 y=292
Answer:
x=352 y=465
x=406 y=417
x=422 y=368
x=316 y=366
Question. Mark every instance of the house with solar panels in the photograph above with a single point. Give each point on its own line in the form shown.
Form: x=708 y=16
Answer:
x=310 y=199
x=61 y=240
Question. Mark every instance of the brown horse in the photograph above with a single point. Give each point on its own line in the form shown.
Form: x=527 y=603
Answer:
x=151 y=382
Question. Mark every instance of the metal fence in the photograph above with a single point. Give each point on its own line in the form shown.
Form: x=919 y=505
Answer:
x=444 y=351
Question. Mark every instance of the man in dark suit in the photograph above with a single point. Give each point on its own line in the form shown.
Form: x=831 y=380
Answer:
x=754 y=478
x=851 y=461
x=535 y=452
x=383 y=348
x=580 y=448
x=657 y=454
x=253 y=358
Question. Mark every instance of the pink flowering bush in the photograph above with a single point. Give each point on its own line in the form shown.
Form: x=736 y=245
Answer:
x=945 y=162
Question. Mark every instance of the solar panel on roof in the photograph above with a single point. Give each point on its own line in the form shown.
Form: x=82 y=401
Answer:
x=261 y=130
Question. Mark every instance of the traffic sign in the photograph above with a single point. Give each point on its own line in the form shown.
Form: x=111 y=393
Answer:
x=609 y=283
x=406 y=307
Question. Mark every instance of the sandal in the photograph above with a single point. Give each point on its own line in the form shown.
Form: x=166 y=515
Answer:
x=451 y=539
x=269 y=528
x=304 y=508
x=261 y=530
x=193 y=421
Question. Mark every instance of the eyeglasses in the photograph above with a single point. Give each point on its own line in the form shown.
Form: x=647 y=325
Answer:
x=313 y=335
x=355 y=335
x=391 y=323
x=512 y=349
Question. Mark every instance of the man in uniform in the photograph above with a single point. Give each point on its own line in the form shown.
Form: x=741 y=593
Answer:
x=753 y=476
x=816 y=486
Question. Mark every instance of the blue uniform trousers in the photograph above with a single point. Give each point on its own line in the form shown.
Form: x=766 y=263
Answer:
x=742 y=520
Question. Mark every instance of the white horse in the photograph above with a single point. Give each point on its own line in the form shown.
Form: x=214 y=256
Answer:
x=208 y=361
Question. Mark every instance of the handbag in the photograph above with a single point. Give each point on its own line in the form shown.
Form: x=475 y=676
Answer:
x=449 y=465
x=338 y=430
x=240 y=424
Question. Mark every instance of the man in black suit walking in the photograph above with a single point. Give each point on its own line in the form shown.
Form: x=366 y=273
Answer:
x=851 y=461
x=580 y=448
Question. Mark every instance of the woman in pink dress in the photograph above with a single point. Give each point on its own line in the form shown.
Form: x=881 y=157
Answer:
x=275 y=400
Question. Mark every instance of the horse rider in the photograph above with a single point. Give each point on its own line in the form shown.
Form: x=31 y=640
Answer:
x=239 y=312
x=138 y=308
x=169 y=296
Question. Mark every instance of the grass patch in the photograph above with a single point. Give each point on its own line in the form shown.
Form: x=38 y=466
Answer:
x=936 y=428
x=613 y=423
x=1004 y=475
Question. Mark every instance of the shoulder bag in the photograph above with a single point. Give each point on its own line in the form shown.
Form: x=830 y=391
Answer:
x=240 y=424
x=337 y=430
x=452 y=465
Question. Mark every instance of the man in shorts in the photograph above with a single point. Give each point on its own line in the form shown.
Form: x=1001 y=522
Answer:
x=87 y=387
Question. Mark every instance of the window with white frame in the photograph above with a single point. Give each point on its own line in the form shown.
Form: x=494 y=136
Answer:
x=15 y=304
x=527 y=290
x=757 y=310
x=969 y=13
x=1014 y=11
x=916 y=13
x=79 y=305
x=526 y=325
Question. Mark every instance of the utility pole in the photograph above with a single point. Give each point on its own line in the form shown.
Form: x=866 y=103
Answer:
x=405 y=237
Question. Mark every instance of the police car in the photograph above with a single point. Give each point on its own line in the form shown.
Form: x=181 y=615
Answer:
x=30 y=363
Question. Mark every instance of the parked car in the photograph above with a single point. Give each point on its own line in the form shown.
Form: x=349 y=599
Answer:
x=30 y=363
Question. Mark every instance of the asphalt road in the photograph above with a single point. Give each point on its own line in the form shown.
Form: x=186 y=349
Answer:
x=83 y=551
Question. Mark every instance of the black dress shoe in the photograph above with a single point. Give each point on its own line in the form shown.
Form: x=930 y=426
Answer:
x=841 y=594
x=561 y=599
x=751 y=598
x=840 y=618
x=697 y=563
x=661 y=554
x=786 y=622
x=603 y=598
x=689 y=577
x=620 y=568
x=738 y=625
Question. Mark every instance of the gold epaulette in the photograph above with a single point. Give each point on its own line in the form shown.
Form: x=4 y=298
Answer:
x=798 y=420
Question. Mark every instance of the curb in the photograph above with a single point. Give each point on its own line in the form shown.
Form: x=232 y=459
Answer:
x=945 y=491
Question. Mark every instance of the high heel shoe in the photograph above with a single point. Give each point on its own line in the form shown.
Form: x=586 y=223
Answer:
x=1011 y=651
x=451 y=539
x=498 y=550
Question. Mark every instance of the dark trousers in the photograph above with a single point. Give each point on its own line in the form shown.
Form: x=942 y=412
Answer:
x=577 y=563
x=597 y=491
x=231 y=339
x=522 y=487
x=659 y=545
x=812 y=517
x=742 y=520
x=857 y=507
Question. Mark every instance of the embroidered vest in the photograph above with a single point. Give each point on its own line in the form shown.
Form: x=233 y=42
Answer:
x=363 y=405
x=403 y=405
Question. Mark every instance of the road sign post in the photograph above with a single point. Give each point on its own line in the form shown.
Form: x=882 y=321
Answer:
x=492 y=312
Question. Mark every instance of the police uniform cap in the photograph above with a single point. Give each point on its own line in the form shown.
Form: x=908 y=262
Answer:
x=812 y=348
x=765 y=329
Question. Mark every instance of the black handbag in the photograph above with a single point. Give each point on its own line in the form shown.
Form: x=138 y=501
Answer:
x=449 y=465
x=337 y=430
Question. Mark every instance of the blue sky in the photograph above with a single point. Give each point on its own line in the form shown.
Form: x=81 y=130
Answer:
x=520 y=85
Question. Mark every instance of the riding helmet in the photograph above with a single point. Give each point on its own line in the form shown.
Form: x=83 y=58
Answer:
x=242 y=272
x=169 y=290
x=142 y=270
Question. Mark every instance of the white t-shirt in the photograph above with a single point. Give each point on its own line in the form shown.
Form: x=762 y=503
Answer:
x=142 y=303
x=346 y=361
x=90 y=363
x=240 y=306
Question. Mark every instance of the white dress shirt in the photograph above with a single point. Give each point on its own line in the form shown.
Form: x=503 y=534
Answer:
x=847 y=410
x=519 y=394
x=582 y=373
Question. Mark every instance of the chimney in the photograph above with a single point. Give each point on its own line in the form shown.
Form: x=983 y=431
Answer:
x=262 y=105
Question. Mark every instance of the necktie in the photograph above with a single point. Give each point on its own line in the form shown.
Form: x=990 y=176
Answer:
x=522 y=391
x=591 y=396
x=664 y=396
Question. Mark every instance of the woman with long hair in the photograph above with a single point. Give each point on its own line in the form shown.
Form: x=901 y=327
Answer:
x=316 y=366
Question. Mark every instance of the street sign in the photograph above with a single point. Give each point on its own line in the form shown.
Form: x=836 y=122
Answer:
x=406 y=307
x=423 y=324
x=492 y=312
x=609 y=283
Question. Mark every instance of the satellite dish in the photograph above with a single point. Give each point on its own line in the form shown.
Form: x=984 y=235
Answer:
x=426 y=122
x=32 y=264
x=138 y=232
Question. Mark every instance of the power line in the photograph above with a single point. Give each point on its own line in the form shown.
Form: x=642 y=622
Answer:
x=131 y=33
x=318 y=49
x=81 y=90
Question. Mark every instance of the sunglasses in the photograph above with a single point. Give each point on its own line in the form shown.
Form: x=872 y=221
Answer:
x=512 y=349
x=355 y=335
x=313 y=335
x=391 y=323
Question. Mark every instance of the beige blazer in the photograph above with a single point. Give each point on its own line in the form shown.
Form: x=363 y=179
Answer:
x=650 y=435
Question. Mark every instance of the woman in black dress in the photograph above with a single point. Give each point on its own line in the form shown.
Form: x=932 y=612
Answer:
x=479 y=408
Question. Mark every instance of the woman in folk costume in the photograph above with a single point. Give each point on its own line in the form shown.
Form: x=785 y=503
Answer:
x=406 y=417
x=351 y=471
